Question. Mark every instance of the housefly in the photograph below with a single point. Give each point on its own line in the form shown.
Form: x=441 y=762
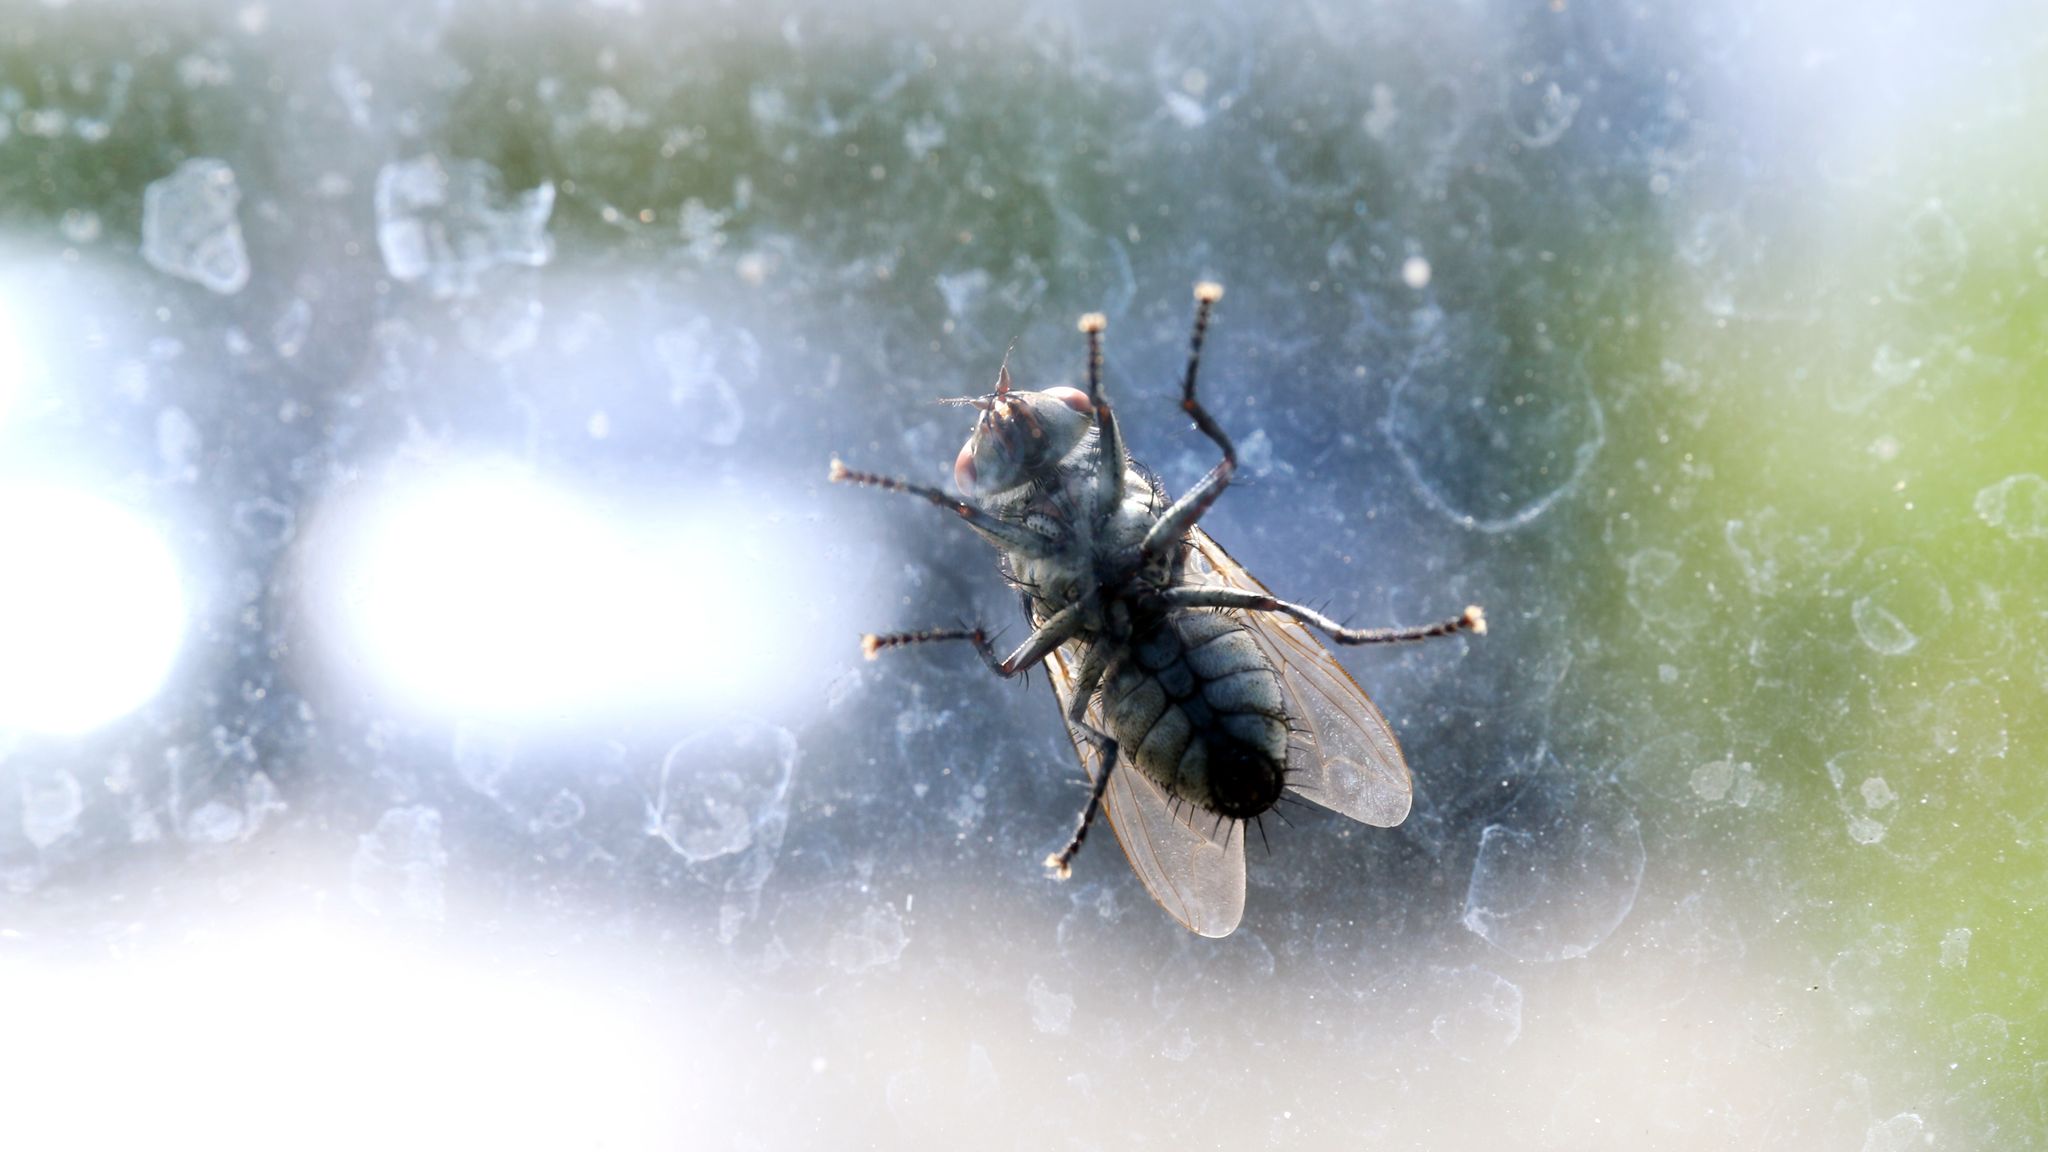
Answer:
x=1193 y=696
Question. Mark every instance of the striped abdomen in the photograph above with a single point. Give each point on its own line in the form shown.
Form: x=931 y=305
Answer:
x=1197 y=707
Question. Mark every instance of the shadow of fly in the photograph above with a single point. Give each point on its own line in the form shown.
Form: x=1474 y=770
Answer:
x=1194 y=696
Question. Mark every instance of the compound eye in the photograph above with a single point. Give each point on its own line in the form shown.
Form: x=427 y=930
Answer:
x=1073 y=398
x=963 y=469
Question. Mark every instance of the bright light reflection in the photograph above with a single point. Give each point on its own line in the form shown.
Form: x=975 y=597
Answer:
x=13 y=361
x=306 y=1037
x=91 y=610
x=484 y=592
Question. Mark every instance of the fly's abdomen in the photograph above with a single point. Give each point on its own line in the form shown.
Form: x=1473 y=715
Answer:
x=1196 y=707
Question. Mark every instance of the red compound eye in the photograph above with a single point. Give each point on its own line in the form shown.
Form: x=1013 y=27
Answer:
x=1073 y=398
x=963 y=468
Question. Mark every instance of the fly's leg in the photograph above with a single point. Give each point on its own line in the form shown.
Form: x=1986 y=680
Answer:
x=1093 y=666
x=1041 y=643
x=1036 y=647
x=1471 y=620
x=1110 y=457
x=1174 y=524
x=1060 y=863
x=996 y=530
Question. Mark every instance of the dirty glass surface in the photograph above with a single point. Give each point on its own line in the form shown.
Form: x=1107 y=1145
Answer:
x=431 y=709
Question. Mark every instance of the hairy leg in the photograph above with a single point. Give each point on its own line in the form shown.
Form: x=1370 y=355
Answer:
x=1036 y=647
x=1471 y=620
x=1174 y=524
x=1092 y=670
x=997 y=531
x=1111 y=459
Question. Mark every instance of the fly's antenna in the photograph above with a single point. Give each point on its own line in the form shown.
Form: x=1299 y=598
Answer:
x=1003 y=373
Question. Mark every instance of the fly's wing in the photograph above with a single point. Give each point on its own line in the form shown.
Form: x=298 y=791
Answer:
x=1347 y=760
x=1195 y=871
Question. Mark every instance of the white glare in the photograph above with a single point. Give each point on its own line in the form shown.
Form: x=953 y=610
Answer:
x=91 y=610
x=470 y=593
x=13 y=362
x=307 y=1037
x=484 y=592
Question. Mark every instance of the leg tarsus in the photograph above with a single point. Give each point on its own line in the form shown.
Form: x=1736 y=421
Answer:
x=1472 y=619
x=1173 y=525
x=1092 y=325
x=873 y=644
x=1036 y=647
x=1061 y=862
x=1207 y=294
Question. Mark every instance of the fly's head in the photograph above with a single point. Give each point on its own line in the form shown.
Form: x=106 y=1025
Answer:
x=1019 y=435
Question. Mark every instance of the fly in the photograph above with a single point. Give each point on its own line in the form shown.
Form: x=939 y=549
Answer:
x=1194 y=697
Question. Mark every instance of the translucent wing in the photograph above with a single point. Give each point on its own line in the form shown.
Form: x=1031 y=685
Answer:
x=1195 y=870
x=1347 y=760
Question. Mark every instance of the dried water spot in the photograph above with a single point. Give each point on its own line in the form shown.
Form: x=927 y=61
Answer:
x=445 y=224
x=1890 y=369
x=399 y=866
x=718 y=790
x=1484 y=1017
x=1201 y=65
x=1905 y=1132
x=1538 y=110
x=2016 y=506
x=707 y=367
x=1880 y=629
x=1727 y=781
x=1052 y=1013
x=1658 y=591
x=1492 y=438
x=1870 y=802
x=1557 y=874
x=222 y=820
x=1970 y=731
x=1929 y=254
x=1774 y=558
x=875 y=938
x=51 y=803
x=1955 y=948
x=721 y=802
x=1897 y=602
x=190 y=226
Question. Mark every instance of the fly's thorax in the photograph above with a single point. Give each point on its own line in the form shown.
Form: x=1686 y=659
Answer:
x=1045 y=509
x=1064 y=576
x=1123 y=532
x=1144 y=502
x=1196 y=706
x=1116 y=535
x=1060 y=505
